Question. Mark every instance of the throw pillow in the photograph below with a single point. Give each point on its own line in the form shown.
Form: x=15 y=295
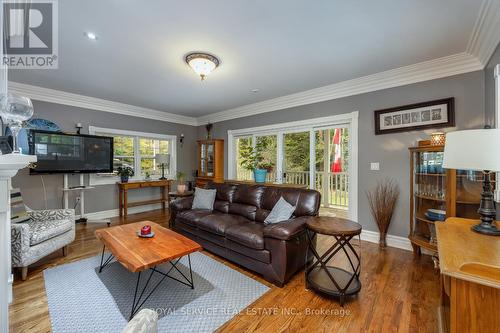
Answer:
x=18 y=211
x=282 y=211
x=203 y=199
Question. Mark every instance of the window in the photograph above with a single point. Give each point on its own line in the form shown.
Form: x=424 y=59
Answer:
x=242 y=174
x=319 y=153
x=137 y=150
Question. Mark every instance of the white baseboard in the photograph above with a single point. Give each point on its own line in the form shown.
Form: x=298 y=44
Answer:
x=392 y=241
x=106 y=214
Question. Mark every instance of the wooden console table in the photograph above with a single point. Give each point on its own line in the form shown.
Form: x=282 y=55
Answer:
x=123 y=188
x=470 y=281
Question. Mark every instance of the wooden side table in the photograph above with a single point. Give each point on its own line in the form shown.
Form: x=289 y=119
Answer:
x=181 y=195
x=123 y=188
x=325 y=278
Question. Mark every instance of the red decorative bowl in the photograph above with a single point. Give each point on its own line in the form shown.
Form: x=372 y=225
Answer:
x=146 y=230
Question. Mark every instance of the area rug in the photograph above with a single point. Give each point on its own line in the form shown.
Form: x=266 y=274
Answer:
x=83 y=300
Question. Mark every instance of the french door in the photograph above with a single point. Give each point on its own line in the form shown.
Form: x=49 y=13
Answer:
x=317 y=157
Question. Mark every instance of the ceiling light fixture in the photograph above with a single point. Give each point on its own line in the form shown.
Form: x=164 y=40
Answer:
x=90 y=35
x=202 y=63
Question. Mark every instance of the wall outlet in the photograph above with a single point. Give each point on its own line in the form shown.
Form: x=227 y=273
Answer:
x=374 y=166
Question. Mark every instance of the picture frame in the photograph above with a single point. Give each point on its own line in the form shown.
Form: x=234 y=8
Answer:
x=432 y=114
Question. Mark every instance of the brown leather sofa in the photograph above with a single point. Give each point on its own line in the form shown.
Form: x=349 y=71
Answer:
x=235 y=229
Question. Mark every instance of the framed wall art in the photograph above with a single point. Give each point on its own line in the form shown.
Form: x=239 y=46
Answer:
x=432 y=114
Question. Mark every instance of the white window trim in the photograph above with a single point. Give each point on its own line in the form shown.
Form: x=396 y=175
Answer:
x=100 y=179
x=349 y=119
x=497 y=116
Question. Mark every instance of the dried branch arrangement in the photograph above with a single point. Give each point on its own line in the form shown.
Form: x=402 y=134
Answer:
x=383 y=199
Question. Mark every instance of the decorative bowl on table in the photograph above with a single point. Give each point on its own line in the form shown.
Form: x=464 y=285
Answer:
x=145 y=232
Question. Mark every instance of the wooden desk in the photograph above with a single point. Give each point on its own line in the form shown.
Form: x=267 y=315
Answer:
x=470 y=284
x=123 y=188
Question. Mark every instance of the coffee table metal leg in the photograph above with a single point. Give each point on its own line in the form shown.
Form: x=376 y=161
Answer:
x=190 y=271
x=108 y=260
x=140 y=300
x=135 y=295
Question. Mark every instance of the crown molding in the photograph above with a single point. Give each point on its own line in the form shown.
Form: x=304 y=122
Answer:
x=428 y=70
x=485 y=35
x=482 y=43
x=65 y=98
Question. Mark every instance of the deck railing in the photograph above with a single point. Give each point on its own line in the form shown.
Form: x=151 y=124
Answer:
x=336 y=193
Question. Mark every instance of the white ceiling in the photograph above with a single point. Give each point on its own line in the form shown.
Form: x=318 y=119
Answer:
x=280 y=47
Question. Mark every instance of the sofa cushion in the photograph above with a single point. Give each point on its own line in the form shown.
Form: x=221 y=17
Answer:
x=308 y=203
x=248 y=234
x=247 y=211
x=192 y=216
x=41 y=231
x=261 y=215
x=260 y=255
x=204 y=199
x=225 y=192
x=248 y=195
x=219 y=222
x=272 y=195
x=282 y=211
x=221 y=206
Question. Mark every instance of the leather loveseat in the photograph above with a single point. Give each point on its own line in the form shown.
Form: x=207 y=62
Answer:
x=235 y=228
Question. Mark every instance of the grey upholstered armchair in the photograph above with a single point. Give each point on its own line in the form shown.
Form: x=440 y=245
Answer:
x=43 y=233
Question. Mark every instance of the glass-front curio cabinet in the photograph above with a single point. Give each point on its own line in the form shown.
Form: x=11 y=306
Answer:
x=210 y=162
x=437 y=193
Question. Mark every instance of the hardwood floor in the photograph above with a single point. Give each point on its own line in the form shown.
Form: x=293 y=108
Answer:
x=398 y=294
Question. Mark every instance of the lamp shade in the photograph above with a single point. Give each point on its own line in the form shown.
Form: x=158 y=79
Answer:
x=472 y=150
x=162 y=158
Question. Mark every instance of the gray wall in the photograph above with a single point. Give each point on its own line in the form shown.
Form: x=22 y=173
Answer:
x=391 y=150
x=489 y=88
x=104 y=197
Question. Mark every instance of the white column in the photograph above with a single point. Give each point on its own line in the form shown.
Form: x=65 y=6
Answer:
x=9 y=165
x=497 y=118
x=326 y=168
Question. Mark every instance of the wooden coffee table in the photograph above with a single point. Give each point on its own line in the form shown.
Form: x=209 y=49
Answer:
x=138 y=254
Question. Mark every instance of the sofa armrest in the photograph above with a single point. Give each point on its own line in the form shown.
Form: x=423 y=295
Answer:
x=20 y=240
x=52 y=214
x=286 y=230
x=181 y=204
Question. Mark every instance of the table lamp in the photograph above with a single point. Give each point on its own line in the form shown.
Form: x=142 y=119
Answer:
x=477 y=150
x=162 y=160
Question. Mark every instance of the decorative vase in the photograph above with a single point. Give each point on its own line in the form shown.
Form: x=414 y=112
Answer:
x=124 y=179
x=260 y=175
x=14 y=109
x=382 y=243
x=181 y=188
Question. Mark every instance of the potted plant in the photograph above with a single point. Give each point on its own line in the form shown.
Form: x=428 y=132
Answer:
x=382 y=200
x=252 y=159
x=181 y=178
x=124 y=172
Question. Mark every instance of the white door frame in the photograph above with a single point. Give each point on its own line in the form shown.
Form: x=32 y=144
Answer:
x=349 y=120
x=497 y=116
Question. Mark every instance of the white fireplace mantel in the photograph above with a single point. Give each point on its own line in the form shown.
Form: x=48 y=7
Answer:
x=9 y=166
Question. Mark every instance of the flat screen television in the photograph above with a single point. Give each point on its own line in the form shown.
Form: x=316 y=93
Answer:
x=70 y=153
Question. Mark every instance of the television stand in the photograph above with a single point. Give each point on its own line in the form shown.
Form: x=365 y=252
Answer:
x=81 y=188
